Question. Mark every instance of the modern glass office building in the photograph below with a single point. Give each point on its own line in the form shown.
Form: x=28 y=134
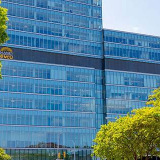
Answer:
x=132 y=71
x=51 y=91
x=64 y=76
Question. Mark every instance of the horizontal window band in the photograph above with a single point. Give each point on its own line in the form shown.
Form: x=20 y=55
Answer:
x=132 y=66
x=82 y=61
x=56 y=58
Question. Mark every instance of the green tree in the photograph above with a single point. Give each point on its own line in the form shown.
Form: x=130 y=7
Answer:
x=154 y=99
x=3 y=25
x=3 y=39
x=3 y=155
x=130 y=138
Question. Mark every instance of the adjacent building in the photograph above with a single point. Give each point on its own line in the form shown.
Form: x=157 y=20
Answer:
x=132 y=71
x=64 y=76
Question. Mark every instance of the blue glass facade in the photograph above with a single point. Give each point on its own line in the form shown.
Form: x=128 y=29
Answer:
x=40 y=101
x=68 y=27
x=131 y=60
x=132 y=46
x=68 y=76
x=51 y=92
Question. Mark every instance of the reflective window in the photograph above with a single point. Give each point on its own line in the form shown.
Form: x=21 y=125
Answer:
x=38 y=102
x=127 y=91
x=71 y=28
x=123 y=44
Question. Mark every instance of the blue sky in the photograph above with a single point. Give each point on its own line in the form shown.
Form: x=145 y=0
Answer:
x=140 y=16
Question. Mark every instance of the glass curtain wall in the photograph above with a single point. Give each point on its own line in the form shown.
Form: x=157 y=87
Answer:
x=126 y=89
x=61 y=26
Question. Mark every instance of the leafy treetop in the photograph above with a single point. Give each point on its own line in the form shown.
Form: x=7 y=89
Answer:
x=154 y=99
x=3 y=25
x=3 y=155
x=132 y=137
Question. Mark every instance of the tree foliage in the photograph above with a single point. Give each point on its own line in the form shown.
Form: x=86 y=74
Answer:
x=132 y=137
x=3 y=155
x=154 y=99
x=3 y=25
